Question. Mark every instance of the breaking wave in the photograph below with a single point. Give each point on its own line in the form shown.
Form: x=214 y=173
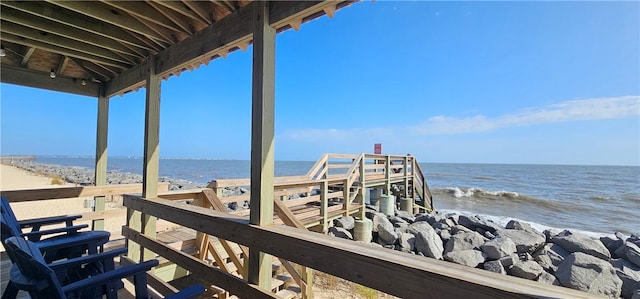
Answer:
x=477 y=192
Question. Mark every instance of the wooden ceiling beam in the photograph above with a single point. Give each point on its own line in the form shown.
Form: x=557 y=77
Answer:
x=201 y=9
x=28 y=20
x=170 y=36
x=60 y=50
x=24 y=77
x=175 y=17
x=62 y=65
x=234 y=29
x=109 y=15
x=94 y=74
x=74 y=19
x=59 y=41
x=26 y=54
x=182 y=9
x=141 y=10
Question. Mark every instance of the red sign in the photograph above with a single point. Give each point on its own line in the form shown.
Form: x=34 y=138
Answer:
x=377 y=148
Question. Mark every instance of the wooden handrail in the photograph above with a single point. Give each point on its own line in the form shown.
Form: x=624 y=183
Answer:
x=412 y=276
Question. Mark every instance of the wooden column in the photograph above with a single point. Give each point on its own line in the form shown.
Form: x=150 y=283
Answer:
x=135 y=220
x=101 y=154
x=262 y=137
x=151 y=166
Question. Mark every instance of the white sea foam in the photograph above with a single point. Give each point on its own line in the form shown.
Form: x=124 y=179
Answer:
x=459 y=193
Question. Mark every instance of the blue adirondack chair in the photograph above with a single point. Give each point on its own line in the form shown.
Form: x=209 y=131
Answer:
x=31 y=273
x=67 y=241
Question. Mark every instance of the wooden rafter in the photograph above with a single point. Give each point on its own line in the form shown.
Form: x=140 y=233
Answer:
x=61 y=50
x=110 y=15
x=25 y=19
x=26 y=54
x=61 y=42
x=74 y=19
x=181 y=8
x=97 y=72
x=141 y=10
x=22 y=76
x=200 y=9
x=175 y=17
x=62 y=65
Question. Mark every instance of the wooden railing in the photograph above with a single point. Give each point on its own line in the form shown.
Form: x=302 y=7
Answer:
x=400 y=274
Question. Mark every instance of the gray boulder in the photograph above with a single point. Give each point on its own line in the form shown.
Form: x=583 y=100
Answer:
x=574 y=242
x=469 y=257
x=549 y=234
x=445 y=235
x=526 y=241
x=464 y=241
x=630 y=252
x=378 y=220
x=548 y=278
x=509 y=261
x=418 y=227
x=429 y=244
x=386 y=232
x=494 y=266
x=459 y=229
x=406 y=242
x=425 y=217
x=590 y=274
x=526 y=269
x=612 y=245
x=346 y=222
x=629 y=274
x=440 y=226
x=514 y=224
x=498 y=248
x=475 y=222
x=340 y=233
x=408 y=217
x=550 y=256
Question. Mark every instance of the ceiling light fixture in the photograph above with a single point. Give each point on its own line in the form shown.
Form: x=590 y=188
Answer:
x=3 y=53
x=52 y=74
x=84 y=82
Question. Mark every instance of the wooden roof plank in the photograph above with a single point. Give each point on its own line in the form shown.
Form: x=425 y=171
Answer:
x=39 y=23
x=76 y=20
x=141 y=10
x=28 y=51
x=97 y=75
x=59 y=41
x=179 y=7
x=62 y=65
x=231 y=30
x=61 y=50
x=24 y=77
x=109 y=15
x=200 y=9
x=175 y=17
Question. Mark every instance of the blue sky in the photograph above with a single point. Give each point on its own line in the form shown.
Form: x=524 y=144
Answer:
x=481 y=82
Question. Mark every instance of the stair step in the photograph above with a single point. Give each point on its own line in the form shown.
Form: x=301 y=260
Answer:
x=286 y=294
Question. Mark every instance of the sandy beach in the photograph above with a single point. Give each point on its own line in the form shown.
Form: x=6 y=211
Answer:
x=13 y=178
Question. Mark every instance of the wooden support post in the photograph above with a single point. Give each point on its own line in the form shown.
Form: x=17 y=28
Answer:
x=387 y=174
x=324 y=205
x=346 y=193
x=262 y=137
x=363 y=187
x=151 y=149
x=406 y=177
x=101 y=154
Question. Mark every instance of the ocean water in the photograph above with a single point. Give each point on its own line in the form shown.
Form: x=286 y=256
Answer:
x=598 y=199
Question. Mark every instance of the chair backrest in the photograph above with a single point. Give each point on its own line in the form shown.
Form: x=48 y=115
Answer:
x=27 y=257
x=9 y=222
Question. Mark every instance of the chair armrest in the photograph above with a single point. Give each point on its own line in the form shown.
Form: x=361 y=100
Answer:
x=111 y=276
x=36 y=235
x=98 y=257
x=49 y=220
x=187 y=293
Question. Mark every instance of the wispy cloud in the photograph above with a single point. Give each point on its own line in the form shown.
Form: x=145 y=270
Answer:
x=575 y=110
